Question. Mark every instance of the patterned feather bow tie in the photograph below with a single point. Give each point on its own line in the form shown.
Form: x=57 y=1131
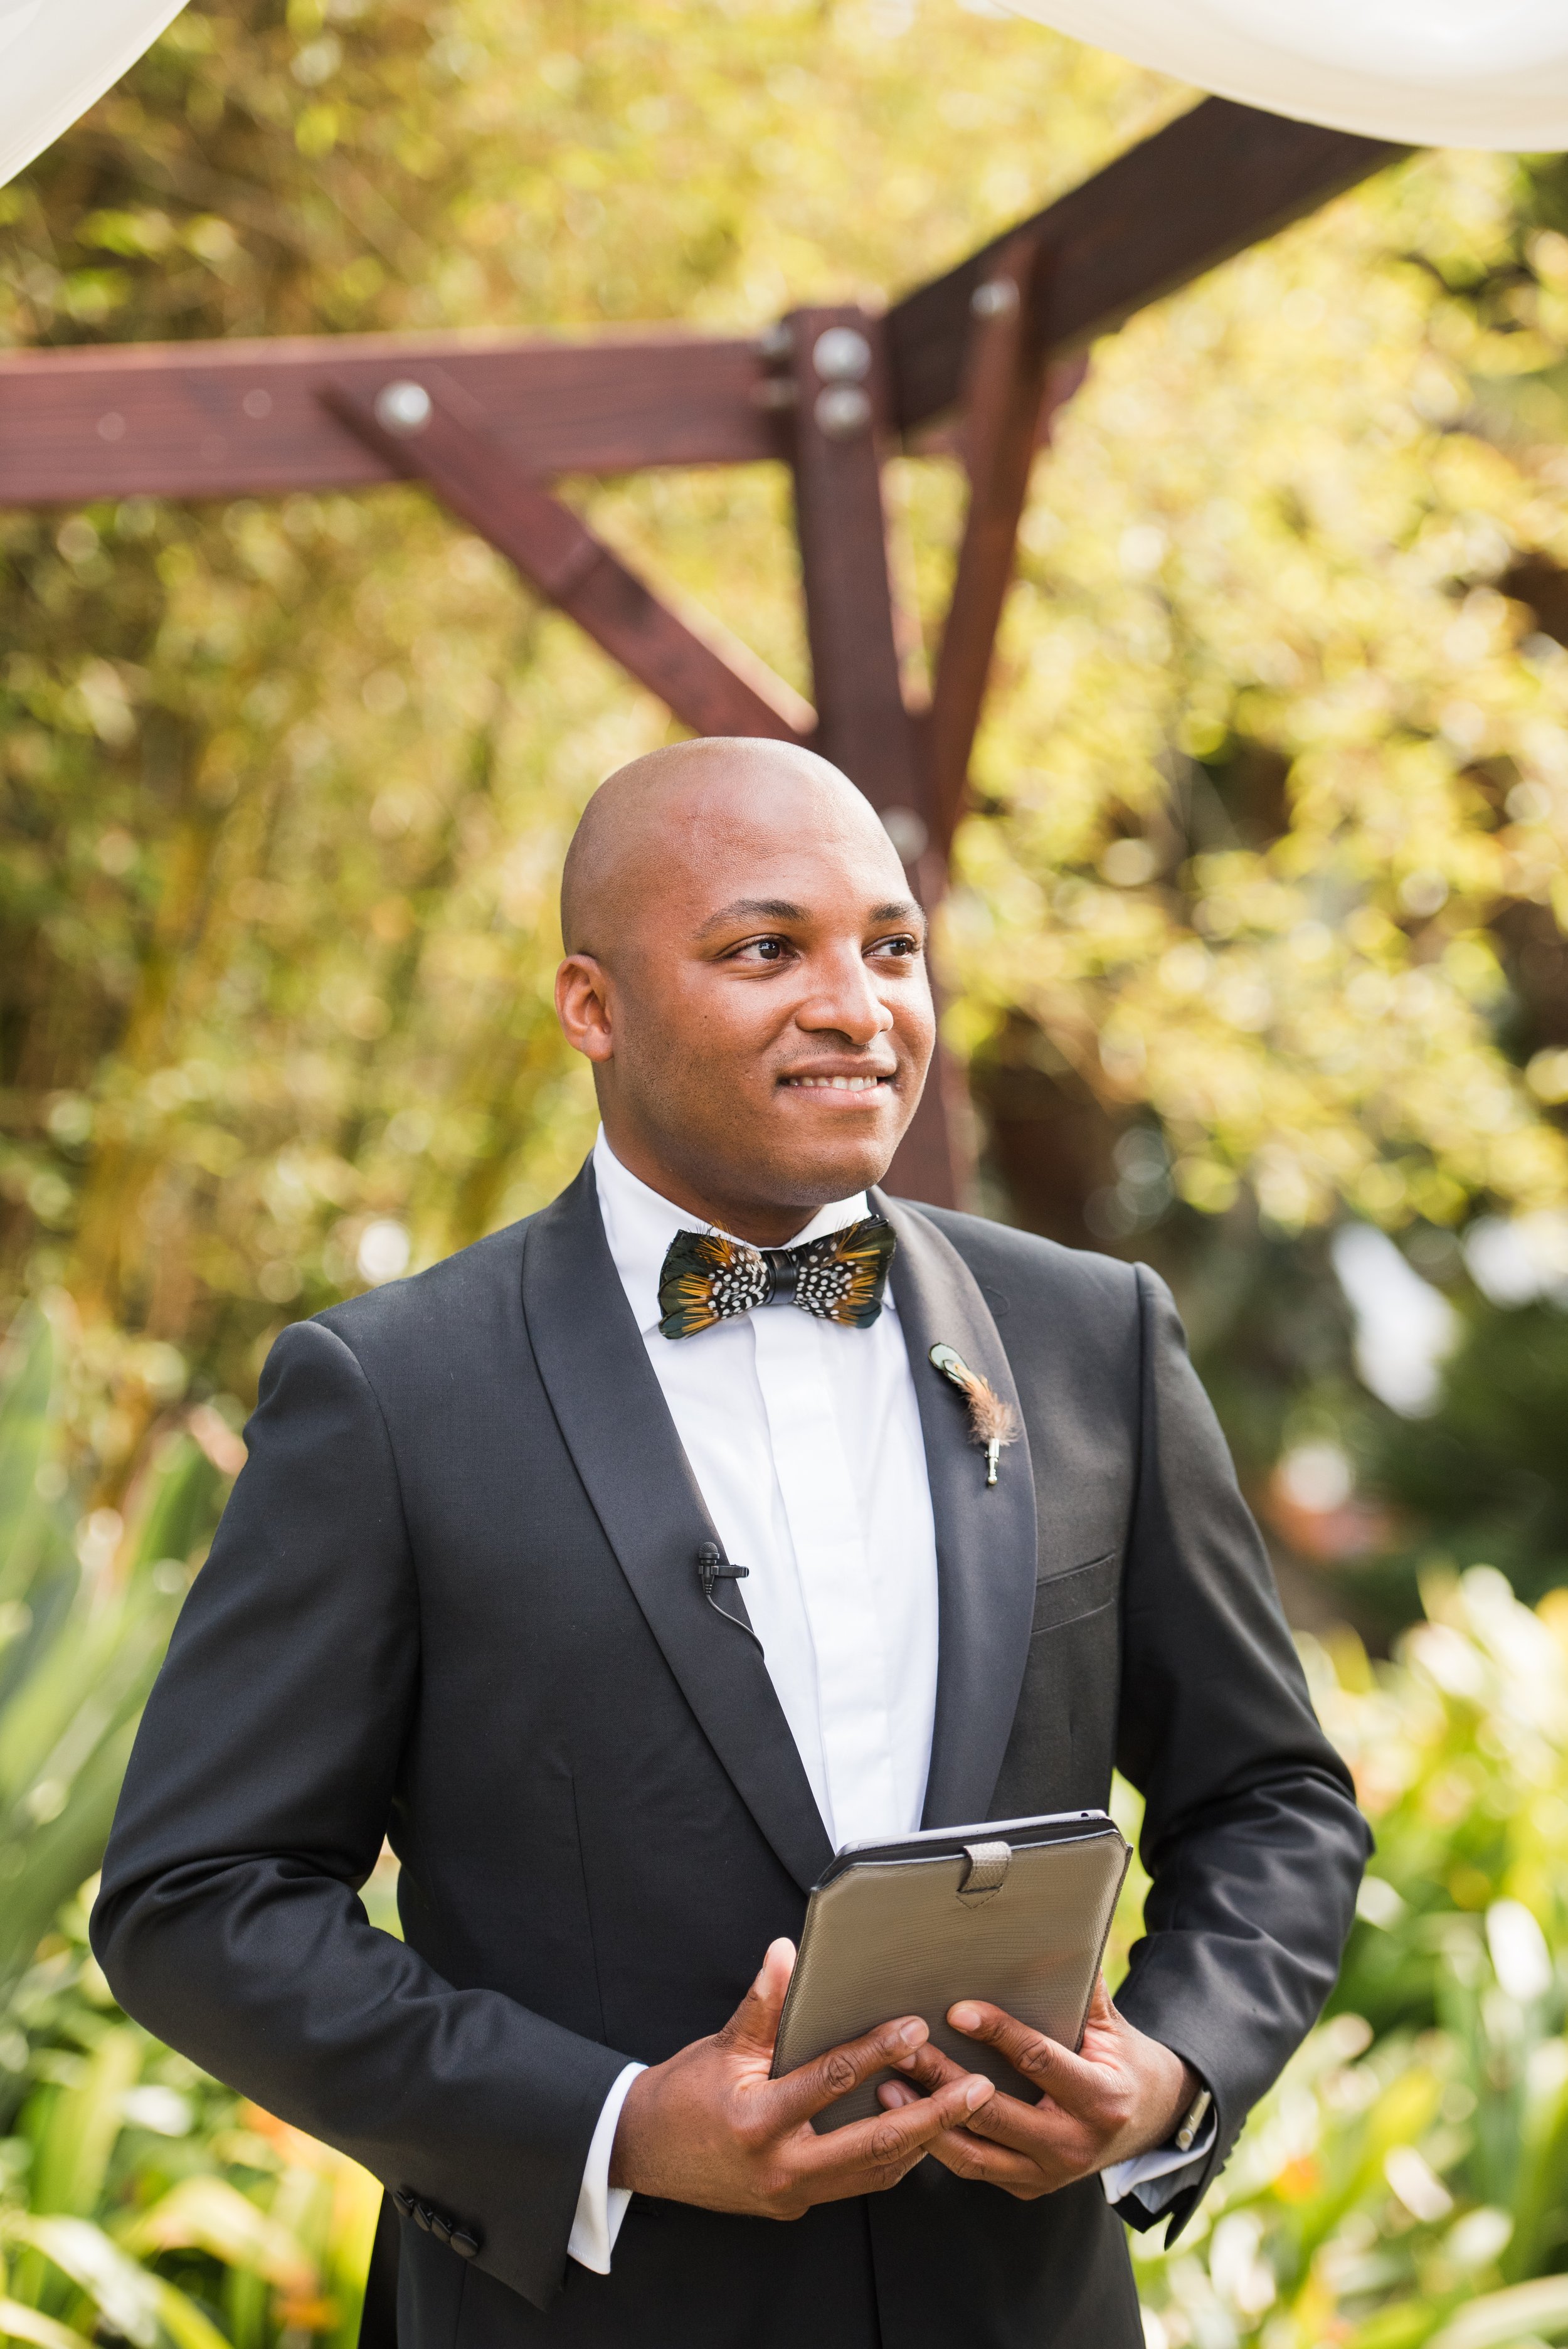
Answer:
x=840 y=1276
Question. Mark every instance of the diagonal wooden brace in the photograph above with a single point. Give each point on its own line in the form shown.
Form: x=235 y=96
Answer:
x=1006 y=399
x=1213 y=181
x=432 y=430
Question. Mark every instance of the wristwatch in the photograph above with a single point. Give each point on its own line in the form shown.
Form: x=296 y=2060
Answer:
x=1192 y=2120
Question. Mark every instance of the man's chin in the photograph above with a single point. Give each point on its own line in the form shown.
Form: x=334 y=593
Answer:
x=825 y=1166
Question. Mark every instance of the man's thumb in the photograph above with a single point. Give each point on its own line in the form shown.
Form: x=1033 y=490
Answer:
x=754 y=2026
x=1100 y=2007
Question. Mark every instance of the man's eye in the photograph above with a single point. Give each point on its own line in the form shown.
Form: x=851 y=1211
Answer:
x=762 y=951
x=903 y=947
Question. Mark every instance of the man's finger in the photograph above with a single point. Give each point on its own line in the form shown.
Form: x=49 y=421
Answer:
x=1045 y=2131
x=988 y=2165
x=869 y=2150
x=754 y=2026
x=1078 y=2087
x=809 y=2090
x=928 y=2067
x=966 y=2155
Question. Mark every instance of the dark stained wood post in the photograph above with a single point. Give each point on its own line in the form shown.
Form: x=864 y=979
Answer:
x=840 y=418
x=837 y=367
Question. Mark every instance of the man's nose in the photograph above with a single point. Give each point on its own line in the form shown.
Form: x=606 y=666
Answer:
x=847 y=1003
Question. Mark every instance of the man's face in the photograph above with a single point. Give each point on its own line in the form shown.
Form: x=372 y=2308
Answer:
x=759 y=1009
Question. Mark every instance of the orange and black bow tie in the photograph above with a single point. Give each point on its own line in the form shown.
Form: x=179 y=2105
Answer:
x=840 y=1276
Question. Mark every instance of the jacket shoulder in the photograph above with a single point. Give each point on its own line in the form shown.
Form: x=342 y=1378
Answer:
x=1014 y=1262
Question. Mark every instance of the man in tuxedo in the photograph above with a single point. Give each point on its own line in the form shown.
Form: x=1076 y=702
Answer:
x=474 y=1591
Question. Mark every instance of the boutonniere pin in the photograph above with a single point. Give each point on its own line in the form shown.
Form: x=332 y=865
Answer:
x=993 y=1422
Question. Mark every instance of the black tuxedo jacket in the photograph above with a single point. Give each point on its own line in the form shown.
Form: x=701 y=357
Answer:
x=454 y=1600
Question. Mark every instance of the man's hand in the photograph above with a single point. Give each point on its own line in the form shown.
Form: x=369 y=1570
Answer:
x=1123 y=2094
x=710 y=2127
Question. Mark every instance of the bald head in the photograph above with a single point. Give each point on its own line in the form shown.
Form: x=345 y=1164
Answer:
x=745 y=970
x=652 y=823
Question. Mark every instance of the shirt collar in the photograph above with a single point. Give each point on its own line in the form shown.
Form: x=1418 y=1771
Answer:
x=640 y=1223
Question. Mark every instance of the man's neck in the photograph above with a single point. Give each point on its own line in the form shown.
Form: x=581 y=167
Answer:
x=760 y=1223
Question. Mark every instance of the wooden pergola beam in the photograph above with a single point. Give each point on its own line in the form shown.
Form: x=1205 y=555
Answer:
x=1209 y=183
x=216 y=420
x=243 y=419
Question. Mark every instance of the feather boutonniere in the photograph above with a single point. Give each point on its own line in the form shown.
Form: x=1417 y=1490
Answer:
x=993 y=1422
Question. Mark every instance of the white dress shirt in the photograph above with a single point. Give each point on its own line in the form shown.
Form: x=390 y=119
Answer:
x=804 y=1438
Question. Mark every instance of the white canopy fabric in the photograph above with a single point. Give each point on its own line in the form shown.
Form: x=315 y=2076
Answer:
x=57 y=56
x=1432 y=73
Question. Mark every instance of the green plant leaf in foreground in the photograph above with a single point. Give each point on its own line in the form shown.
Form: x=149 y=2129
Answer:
x=210 y=2215
x=1405 y=2183
x=1500 y=2318
x=19 y=2323
x=86 y=1603
x=1405 y=2186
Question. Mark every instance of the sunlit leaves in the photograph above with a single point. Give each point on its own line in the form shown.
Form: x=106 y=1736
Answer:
x=1260 y=534
x=1404 y=2181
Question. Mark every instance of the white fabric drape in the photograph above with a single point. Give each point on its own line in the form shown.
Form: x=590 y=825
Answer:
x=1435 y=73
x=1438 y=73
x=57 y=56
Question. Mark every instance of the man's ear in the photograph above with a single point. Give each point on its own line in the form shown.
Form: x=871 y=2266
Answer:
x=583 y=1006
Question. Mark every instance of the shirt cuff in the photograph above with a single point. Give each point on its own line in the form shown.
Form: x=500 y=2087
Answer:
x=601 y=2206
x=1167 y=2164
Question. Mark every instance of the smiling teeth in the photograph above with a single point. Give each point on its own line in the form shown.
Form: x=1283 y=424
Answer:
x=839 y=1084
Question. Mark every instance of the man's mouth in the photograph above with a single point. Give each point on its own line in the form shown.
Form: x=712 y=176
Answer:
x=863 y=1084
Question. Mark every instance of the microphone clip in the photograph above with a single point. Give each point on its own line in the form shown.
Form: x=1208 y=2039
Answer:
x=711 y=1569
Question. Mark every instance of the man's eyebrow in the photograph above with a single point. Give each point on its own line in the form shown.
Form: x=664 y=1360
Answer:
x=768 y=909
x=780 y=909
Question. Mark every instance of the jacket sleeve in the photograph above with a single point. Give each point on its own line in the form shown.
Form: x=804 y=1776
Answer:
x=1250 y=1833
x=260 y=1788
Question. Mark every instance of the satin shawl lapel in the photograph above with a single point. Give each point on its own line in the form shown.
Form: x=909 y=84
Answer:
x=617 y=1426
x=985 y=1540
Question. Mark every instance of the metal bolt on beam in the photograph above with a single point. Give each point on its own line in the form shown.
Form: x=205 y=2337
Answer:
x=908 y=832
x=403 y=407
x=996 y=298
x=841 y=354
x=841 y=412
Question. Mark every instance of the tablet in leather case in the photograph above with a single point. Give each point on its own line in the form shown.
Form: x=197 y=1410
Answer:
x=1016 y=1912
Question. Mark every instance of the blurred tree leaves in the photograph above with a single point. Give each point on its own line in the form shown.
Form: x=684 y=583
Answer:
x=1259 y=595
x=1273 y=796
x=1485 y=1477
x=86 y=1603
